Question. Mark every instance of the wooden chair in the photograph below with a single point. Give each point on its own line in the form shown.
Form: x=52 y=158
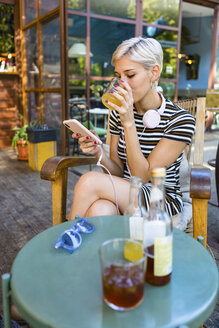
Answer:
x=55 y=169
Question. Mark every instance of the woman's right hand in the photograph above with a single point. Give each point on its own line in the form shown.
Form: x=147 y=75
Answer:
x=87 y=145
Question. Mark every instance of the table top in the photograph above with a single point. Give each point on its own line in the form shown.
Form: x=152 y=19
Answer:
x=53 y=288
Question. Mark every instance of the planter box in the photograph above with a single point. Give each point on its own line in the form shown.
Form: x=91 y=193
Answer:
x=39 y=134
x=41 y=146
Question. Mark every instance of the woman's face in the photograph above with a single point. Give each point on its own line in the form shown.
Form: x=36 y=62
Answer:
x=137 y=77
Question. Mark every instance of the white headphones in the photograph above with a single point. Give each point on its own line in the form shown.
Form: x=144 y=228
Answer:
x=151 y=118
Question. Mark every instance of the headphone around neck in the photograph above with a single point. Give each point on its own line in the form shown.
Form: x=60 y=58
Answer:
x=151 y=118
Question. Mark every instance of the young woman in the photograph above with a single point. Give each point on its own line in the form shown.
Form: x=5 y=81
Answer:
x=135 y=148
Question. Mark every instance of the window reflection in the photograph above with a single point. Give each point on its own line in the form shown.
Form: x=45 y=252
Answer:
x=31 y=57
x=29 y=11
x=124 y=8
x=168 y=89
x=33 y=104
x=77 y=89
x=48 y=5
x=76 y=45
x=105 y=37
x=77 y=4
x=163 y=12
x=51 y=54
x=96 y=91
x=52 y=115
x=168 y=41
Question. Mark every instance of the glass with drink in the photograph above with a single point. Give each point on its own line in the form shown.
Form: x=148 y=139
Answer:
x=108 y=95
x=123 y=265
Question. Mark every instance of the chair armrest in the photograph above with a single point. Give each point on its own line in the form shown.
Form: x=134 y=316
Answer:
x=54 y=165
x=55 y=169
x=200 y=192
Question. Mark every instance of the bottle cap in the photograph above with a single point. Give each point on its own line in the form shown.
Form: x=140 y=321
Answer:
x=158 y=172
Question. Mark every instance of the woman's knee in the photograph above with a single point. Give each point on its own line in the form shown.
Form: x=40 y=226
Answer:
x=87 y=181
x=102 y=207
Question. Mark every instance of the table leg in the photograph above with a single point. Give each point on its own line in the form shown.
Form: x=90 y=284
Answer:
x=6 y=296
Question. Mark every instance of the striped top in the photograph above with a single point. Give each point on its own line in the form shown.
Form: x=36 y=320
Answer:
x=175 y=124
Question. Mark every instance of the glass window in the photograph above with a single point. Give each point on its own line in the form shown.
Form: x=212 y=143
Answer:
x=96 y=91
x=105 y=37
x=29 y=11
x=76 y=45
x=118 y=8
x=52 y=115
x=168 y=41
x=31 y=57
x=48 y=5
x=77 y=89
x=162 y=12
x=168 y=89
x=33 y=105
x=77 y=4
x=51 y=54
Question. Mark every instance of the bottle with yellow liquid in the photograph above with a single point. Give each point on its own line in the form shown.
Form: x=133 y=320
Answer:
x=158 y=233
x=135 y=212
x=109 y=96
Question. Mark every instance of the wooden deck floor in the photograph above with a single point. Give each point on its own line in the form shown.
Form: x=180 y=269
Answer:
x=25 y=210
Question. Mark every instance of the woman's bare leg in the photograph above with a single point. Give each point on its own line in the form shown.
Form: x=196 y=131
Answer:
x=94 y=186
x=102 y=207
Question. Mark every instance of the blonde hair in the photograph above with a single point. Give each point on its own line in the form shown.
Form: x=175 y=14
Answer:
x=146 y=51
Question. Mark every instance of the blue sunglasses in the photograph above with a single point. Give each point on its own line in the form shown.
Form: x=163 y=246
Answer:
x=71 y=239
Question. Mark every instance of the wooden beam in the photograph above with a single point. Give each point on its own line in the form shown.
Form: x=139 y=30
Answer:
x=8 y=2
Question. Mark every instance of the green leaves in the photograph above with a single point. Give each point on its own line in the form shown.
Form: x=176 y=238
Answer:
x=20 y=134
x=6 y=28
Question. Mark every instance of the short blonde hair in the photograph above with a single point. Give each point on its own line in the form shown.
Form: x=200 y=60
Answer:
x=146 y=51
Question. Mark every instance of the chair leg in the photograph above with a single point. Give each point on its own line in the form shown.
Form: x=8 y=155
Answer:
x=6 y=297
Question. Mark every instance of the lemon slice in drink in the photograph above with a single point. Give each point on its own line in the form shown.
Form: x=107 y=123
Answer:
x=132 y=251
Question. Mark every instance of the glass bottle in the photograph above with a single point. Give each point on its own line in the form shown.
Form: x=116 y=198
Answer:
x=158 y=233
x=136 y=210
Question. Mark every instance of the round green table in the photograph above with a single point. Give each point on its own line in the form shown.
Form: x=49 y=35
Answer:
x=53 y=288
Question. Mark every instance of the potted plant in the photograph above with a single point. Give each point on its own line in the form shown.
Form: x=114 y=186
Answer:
x=19 y=141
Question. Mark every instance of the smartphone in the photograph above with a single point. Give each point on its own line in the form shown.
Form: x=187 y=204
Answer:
x=76 y=127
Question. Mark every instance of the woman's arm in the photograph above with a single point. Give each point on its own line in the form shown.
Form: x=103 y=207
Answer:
x=112 y=163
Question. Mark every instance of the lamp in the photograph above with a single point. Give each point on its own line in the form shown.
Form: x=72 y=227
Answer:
x=78 y=50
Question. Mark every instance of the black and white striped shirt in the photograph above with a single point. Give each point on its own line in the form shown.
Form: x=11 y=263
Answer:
x=175 y=124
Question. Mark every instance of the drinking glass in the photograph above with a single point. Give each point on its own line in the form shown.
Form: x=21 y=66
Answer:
x=123 y=265
x=108 y=95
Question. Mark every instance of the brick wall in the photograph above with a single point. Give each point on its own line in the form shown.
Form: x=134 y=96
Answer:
x=9 y=106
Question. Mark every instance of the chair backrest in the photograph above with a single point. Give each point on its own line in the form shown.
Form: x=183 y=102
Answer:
x=212 y=99
x=196 y=107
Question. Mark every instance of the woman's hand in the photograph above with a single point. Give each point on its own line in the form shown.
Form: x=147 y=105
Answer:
x=126 y=109
x=87 y=145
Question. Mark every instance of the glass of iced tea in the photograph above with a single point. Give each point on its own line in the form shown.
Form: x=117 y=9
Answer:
x=108 y=95
x=123 y=265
